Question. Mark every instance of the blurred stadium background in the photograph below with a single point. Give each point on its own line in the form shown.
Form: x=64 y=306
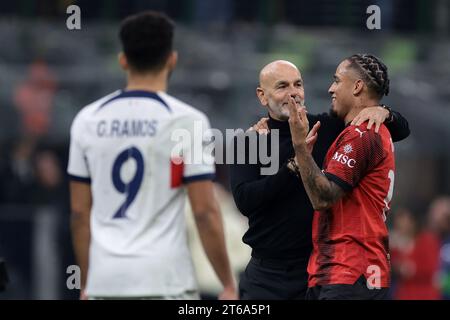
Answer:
x=49 y=72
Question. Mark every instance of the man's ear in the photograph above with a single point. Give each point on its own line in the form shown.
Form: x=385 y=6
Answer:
x=358 y=87
x=172 y=60
x=123 y=62
x=261 y=96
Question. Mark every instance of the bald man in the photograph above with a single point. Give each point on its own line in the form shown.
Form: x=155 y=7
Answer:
x=278 y=209
x=279 y=80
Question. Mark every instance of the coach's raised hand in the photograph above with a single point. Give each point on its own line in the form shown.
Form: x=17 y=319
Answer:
x=298 y=123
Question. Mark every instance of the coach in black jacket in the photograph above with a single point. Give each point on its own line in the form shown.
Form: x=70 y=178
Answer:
x=277 y=206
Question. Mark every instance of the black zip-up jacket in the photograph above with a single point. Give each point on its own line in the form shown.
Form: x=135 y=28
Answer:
x=278 y=209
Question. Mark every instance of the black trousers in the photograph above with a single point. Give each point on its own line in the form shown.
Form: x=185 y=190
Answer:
x=269 y=279
x=356 y=291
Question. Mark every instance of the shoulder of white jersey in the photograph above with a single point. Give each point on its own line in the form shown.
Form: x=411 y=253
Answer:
x=182 y=109
x=92 y=107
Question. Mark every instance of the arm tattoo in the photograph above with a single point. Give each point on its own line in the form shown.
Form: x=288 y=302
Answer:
x=322 y=192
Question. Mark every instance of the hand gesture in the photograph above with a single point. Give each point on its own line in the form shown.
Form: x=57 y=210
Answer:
x=375 y=115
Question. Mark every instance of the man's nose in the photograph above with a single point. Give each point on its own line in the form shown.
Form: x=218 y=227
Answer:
x=294 y=92
x=331 y=90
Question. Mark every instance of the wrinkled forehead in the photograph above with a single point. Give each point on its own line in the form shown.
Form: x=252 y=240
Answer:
x=281 y=72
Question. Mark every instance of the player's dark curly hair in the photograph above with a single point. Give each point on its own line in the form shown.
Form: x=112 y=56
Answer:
x=147 y=40
x=372 y=71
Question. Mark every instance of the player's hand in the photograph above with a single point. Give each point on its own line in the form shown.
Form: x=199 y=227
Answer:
x=298 y=123
x=229 y=293
x=261 y=126
x=311 y=138
x=375 y=115
x=83 y=295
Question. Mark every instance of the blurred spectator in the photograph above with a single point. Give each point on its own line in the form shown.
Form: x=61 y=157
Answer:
x=32 y=183
x=34 y=99
x=30 y=175
x=415 y=257
x=16 y=172
x=439 y=216
x=49 y=179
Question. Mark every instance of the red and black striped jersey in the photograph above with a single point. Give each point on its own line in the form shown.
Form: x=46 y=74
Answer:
x=350 y=239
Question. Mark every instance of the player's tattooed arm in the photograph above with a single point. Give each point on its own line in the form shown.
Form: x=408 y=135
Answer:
x=322 y=192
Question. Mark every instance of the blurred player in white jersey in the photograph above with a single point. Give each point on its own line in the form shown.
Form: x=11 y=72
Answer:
x=128 y=193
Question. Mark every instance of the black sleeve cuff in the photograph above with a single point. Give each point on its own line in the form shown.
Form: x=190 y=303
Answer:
x=199 y=177
x=341 y=183
x=398 y=127
x=79 y=179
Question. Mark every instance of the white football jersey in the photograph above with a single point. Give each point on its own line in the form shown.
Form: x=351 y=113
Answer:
x=122 y=145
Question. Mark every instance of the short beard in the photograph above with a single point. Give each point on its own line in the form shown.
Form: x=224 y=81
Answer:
x=277 y=111
x=333 y=113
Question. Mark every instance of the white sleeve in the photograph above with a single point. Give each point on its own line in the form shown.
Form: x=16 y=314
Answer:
x=77 y=169
x=197 y=156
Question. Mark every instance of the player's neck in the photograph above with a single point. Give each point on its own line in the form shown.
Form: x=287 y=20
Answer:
x=357 y=109
x=147 y=82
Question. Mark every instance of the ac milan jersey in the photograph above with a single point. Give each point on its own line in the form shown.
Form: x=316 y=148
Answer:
x=123 y=146
x=350 y=239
